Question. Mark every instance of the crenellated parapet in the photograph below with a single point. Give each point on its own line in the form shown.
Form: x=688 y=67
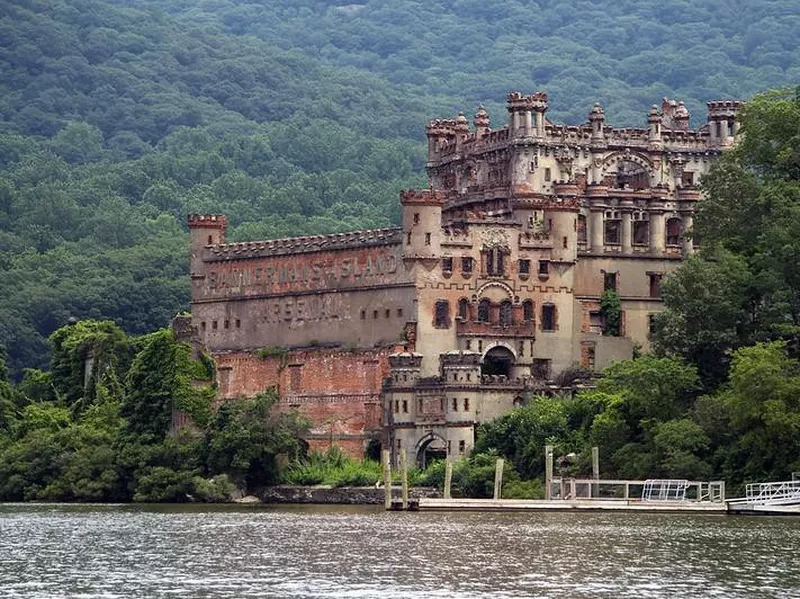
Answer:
x=424 y=197
x=305 y=244
x=207 y=221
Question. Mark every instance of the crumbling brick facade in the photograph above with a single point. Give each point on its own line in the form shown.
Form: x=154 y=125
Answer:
x=489 y=289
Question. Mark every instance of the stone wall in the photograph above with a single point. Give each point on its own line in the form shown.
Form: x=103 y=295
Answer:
x=338 y=495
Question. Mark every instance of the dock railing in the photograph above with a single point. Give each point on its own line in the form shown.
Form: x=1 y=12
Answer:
x=773 y=493
x=637 y=490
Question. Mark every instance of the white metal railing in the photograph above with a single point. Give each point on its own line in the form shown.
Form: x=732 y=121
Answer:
x=664 y=490
x=773 y=493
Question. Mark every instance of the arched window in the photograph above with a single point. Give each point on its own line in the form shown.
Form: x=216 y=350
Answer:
x=527 y=310
x=674 y=231
x=506 y=314
x=483 y=311
x=463 y=309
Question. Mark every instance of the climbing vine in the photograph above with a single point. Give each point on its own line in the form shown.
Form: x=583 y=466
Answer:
x=612 y=313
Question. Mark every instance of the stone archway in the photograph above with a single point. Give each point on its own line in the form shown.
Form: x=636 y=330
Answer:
x=430 y=448
x=498 y=361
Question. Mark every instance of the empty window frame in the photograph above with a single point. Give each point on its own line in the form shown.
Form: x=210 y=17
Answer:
x=524 y=266
x=674 y=231
x=609 y=281
x=447 y=264
x=527 y=310
x=463 y=309
x=548 y=317
x=506 y=313
x=655 y=284
x=483 y=310
x=466 y=264
x=442 y=314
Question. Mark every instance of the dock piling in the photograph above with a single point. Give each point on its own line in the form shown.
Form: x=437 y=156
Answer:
x=448 y=478
x=548 y=469
x=387 y=479
x=404 y=472
x=498 y=478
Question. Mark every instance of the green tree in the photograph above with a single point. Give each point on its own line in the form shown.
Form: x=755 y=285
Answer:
x=246 y=436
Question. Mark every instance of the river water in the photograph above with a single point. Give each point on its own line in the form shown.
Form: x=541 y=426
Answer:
x=109 y=552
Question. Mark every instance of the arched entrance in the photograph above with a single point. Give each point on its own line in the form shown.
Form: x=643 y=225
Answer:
x=431 y=448
x=498 y=361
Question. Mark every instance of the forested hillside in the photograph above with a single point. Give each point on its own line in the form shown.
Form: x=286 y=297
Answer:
x=292 y=116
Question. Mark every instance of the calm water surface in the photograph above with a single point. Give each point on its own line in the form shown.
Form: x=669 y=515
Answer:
x=53 y=551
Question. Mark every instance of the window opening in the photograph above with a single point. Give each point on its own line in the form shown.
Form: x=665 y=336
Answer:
x=544 y=267
x=442 y=316
x=463 y=309
x=506 y=314
x=483 y=311
x=609 y=281
x=524 y=267
x=655 y=284
x=548 y=317
x=447 y=264
x=674 y=231
x=527 y=310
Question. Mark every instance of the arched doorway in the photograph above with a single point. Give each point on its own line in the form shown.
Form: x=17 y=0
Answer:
x=430 y=449
x=498 y=361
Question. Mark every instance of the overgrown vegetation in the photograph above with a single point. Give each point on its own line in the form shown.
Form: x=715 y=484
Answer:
x=96 y=429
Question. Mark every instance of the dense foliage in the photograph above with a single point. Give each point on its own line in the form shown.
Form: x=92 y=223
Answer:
x=118 y=118
x=97 y=430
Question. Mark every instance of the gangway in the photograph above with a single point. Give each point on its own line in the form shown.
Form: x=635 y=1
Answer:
x=782 y=496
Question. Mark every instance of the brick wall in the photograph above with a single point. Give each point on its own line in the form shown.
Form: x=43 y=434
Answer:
x=337 y=390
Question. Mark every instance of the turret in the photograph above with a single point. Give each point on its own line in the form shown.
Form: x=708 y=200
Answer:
x=562 y=216
x=405 y=368
x=526 y=114
x=204 y=230
x=597 y=118
x=722 y=125
x=460 y=368
x=481 y=122
x=422 y=223
x=654 y=121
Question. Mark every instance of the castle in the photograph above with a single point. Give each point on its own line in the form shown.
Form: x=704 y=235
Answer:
x=410 y=337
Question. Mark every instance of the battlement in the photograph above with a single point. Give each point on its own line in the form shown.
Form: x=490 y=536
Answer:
x=424 y=197
x=305 y=244
x=723 y=108
x=460 y=358
x=207 y=221
x=537 y=102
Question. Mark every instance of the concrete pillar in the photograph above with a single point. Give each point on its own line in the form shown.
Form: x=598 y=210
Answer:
x=595 y=471
x=596 y=230
x=528 y=124
x=540 y=124
x=514 y=123
x=688 y=245
x=627 y=233
x=448 y=478
x=657 y=232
